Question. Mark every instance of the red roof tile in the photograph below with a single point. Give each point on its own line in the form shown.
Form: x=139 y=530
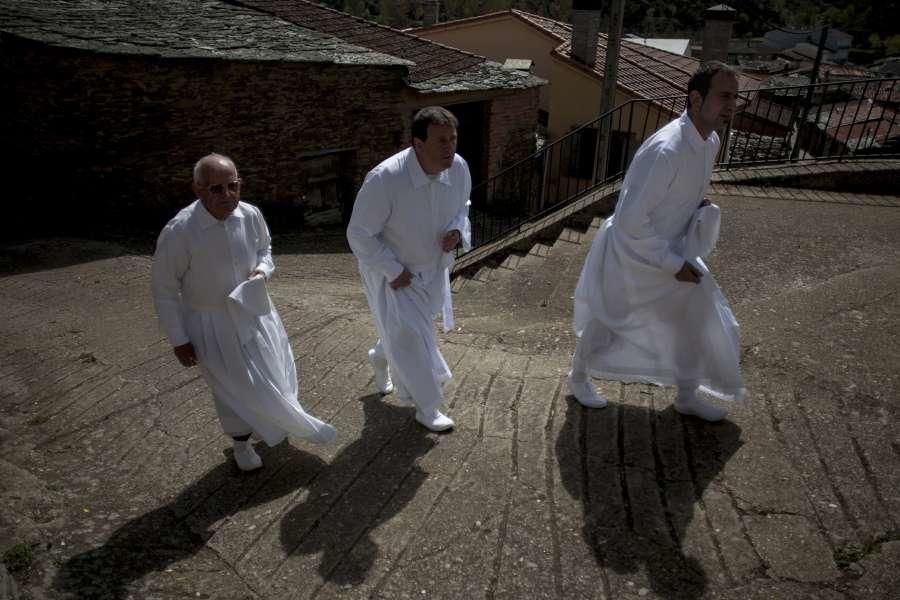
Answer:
x=853 y=112
x=643 y=71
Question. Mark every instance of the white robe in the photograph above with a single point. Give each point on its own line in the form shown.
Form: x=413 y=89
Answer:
x=399 y=218
x=202 y=296
x=634 y=320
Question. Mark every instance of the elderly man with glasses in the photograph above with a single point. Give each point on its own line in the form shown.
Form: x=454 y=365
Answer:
x=209 y=272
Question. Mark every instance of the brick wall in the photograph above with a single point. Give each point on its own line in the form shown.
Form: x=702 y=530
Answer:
x=93 y=138
x=512 y=126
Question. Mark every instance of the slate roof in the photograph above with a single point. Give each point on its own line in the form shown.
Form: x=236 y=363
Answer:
x=436 y=68
x=258 y=30
x=178 y=29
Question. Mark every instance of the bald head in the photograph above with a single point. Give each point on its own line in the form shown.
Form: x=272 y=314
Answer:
x=217 y=185
x=211 y=165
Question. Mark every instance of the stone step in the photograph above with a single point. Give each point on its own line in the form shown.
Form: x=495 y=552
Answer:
x=572 y=236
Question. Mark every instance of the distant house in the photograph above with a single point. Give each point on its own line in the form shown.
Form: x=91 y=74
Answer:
x=118 y=103
x=576 y=76
x=846 y=117
x=887 y=67
x=837 y=43
x=850 y=127
x=573 y=96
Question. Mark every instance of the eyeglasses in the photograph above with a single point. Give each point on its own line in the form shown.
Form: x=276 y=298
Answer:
x=218 y=189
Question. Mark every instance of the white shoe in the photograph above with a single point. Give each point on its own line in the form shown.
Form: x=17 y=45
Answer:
x=246 y=457
x=586 y=394
x=382 y=374
x=690 y=404
x=434 y=420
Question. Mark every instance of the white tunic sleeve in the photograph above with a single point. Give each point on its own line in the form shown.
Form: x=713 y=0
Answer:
x=370 y=212
x=461 y=221
x=649 y=181
x=264 y=262
x=170 y=263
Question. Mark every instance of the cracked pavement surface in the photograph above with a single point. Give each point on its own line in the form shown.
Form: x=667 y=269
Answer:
x=117 y=482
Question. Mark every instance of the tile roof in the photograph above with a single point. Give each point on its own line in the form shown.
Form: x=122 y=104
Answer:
x=766 y=110
x=559 y=29
x=177 y=28
x=436 y=68
x=643 y=71
x=853 y=112
x=753 y=147
x=673 y=45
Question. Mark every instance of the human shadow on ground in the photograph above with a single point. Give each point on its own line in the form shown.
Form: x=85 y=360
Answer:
x=368 y=483
x=181 y=528
x=638 y=473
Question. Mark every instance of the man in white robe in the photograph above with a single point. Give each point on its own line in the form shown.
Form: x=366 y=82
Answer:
x=208 y=280
x=646 y=307
x=410 y=216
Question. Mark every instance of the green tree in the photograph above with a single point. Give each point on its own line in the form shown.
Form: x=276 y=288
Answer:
x=356 y=7
x=892 y=45
x=394 y=13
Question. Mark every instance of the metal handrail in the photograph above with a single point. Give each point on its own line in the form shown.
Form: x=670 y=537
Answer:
x=564 y=170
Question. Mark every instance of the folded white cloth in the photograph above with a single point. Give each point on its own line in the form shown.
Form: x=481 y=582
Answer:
x=703 y=232
x=246 y=302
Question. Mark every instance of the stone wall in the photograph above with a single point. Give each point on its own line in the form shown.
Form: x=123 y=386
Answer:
x=101 y=138
x=512 y=127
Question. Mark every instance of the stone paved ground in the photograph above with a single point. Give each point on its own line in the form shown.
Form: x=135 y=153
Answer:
x=118 y=483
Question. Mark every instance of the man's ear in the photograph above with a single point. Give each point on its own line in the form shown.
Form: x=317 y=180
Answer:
x=695 y=99
x=417 y=143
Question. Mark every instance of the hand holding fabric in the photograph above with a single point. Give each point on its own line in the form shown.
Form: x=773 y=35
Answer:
x=402 y=280
x=451 y=240
x=688 y=273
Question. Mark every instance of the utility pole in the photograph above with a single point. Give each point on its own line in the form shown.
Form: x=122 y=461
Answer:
x=608 y=93
x=807 y=103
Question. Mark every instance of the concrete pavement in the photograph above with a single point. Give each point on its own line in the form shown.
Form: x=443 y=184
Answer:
x=117 y=482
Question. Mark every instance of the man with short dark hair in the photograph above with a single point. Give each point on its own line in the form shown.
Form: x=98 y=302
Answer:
x=208 y=280
x=410 y=216
x=646 y=306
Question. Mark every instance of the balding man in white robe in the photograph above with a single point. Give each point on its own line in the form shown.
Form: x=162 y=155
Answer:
x=208 y=278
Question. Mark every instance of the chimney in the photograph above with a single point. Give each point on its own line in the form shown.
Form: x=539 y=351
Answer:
x=585 y=28
x=431 y=11
x=717 y=32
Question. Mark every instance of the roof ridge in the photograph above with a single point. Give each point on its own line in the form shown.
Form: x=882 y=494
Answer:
x=526 y=17
x=619 y=81
x=462 y=20
x=380 y=26
x=639 y=49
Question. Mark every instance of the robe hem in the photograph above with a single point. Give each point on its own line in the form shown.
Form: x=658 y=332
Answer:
x=730 y=394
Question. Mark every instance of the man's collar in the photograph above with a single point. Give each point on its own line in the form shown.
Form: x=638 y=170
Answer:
x=205 y=219
x=694 y=138
x=418 y=176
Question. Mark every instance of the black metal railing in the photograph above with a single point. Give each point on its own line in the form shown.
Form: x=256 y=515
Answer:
x=567 y=168
x=836 y=120
x=771 y=125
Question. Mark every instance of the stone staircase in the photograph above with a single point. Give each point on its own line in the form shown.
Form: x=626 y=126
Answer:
x=535 y=281
x=794 y=182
